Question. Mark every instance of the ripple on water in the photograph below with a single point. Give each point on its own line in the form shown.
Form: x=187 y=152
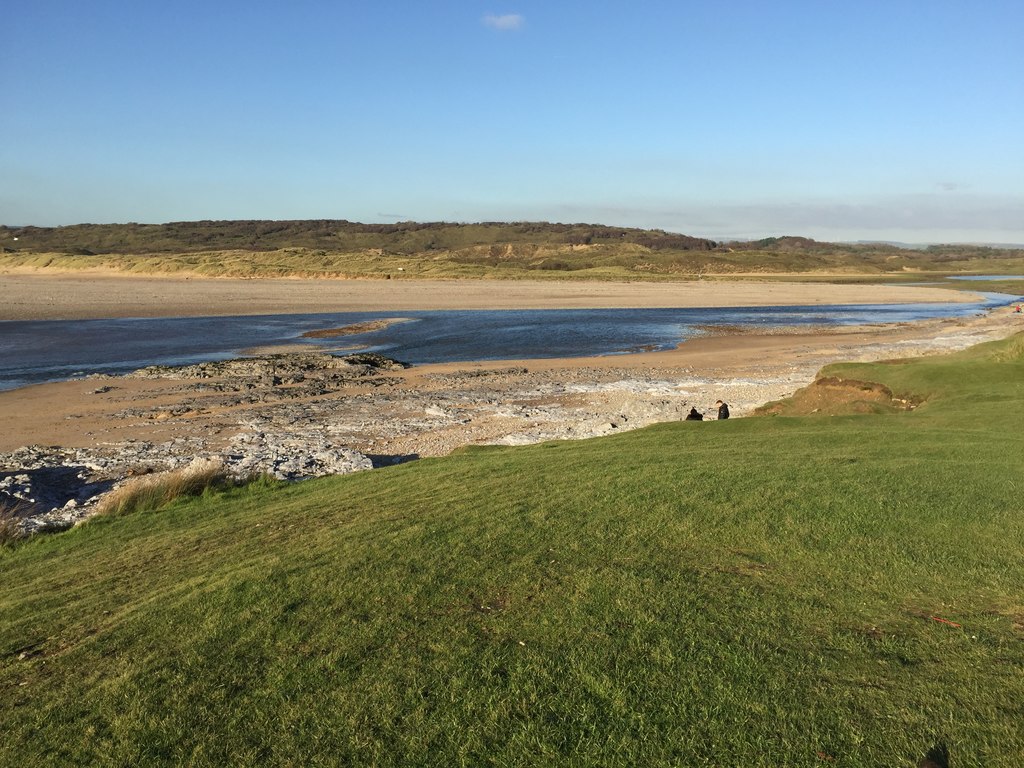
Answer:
x=38 y=351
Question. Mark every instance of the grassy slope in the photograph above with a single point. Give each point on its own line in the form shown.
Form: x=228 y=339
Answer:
x=492 y=250
x=624 y=262
x=751 y=592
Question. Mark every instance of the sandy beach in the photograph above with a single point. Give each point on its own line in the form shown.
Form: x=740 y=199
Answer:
x=76 y=296
x=304 y=418
x=747 y=371
x=67 y=414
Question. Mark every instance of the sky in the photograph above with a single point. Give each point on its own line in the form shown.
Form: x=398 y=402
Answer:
x=893 y=120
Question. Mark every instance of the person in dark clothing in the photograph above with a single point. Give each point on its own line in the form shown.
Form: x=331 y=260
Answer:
x=723 y=410
x=694 y=415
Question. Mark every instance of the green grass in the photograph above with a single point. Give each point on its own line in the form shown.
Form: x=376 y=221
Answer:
x=750 y=592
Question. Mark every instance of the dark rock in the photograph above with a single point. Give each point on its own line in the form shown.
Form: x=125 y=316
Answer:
x=375 y=361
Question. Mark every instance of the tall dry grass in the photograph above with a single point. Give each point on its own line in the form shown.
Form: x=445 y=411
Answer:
x=10 y=528
x=158 y=490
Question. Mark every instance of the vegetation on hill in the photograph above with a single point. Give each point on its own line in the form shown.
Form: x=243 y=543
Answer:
x=339 y=236
x=802 y=591
x=347 y=249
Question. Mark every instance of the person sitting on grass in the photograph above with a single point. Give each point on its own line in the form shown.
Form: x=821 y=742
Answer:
x=694 y=415
x=723 y=410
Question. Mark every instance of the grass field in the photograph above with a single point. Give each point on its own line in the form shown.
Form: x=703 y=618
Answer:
x=782 y=591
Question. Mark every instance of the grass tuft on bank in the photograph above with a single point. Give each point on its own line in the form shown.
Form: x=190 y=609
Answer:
x=792 y=590
x=157 y=490
x=10 y=529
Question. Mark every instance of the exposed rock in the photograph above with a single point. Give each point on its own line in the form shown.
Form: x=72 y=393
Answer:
x=310 y=414
x=291 y=455
x=54 y=488
x=374 y=361
x=277 y=369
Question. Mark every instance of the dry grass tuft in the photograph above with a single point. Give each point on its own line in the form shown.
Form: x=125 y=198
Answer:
x=157 y=490
x=10 y=527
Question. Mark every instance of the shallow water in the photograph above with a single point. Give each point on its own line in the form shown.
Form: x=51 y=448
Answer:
x=53 y=350
x=987 y=277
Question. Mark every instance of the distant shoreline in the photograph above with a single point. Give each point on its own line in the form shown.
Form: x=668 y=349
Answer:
x=747 y=370
x=80 y=296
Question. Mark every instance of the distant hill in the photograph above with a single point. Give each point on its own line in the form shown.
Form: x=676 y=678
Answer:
x=339 y=248
x=332 y=235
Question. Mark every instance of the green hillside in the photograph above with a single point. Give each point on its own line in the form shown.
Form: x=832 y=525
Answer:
x=803 y=591
x=325 y=248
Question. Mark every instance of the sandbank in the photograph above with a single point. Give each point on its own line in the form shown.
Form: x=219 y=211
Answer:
x=77 y=296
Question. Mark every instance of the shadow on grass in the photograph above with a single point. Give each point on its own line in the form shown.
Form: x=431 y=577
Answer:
x=388 y=460
x=936 y=757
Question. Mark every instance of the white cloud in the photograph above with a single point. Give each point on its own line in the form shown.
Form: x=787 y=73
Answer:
x=505 y=22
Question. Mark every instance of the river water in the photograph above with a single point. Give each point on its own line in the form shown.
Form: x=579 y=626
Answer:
x=53 y=350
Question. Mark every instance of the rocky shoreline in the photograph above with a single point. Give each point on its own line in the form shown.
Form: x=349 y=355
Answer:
x=301 y=415
x=296 y=416
x=52 y=488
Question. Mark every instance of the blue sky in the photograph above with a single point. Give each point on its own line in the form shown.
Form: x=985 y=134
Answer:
x=899 y=120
